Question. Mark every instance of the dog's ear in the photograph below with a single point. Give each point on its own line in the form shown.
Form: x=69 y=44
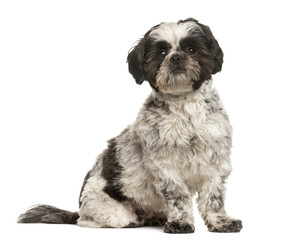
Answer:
x=214 y=47
x=135 y=61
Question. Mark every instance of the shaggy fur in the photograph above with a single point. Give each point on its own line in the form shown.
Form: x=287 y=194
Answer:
x=178 y=146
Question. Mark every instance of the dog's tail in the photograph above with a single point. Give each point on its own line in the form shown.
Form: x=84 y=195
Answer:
x=48 y=214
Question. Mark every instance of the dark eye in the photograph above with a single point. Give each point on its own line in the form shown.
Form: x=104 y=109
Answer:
x=190 y=51
x=163 y=53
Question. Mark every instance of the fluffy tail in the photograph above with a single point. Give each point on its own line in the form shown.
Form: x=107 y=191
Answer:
x=48 y=214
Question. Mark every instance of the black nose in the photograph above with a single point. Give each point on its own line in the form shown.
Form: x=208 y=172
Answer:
x=175 y=59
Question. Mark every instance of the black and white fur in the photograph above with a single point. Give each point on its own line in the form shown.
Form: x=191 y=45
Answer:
x=178 y=146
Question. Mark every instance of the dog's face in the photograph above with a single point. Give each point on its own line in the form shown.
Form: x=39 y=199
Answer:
x=176 y=57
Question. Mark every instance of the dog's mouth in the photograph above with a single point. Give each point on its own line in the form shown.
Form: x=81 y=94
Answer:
x=177 y=79
x=178 y=71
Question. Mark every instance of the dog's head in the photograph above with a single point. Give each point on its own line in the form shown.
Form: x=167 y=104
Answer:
x=176 y=57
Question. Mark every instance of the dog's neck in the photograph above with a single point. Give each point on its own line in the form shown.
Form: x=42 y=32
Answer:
x=195 y=95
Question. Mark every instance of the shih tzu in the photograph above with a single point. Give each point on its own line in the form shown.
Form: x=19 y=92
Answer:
x=178 y=146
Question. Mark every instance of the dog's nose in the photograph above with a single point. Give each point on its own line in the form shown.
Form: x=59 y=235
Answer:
x=175 y=59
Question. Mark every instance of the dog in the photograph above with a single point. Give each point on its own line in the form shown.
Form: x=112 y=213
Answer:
x=178 y=146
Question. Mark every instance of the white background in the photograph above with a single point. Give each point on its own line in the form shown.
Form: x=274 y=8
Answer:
x=65 y=90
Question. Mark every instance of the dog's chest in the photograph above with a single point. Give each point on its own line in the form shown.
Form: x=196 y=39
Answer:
x=198 y=140
x=192 y=124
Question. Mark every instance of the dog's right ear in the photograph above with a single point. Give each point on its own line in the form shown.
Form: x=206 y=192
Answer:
x=135 y=61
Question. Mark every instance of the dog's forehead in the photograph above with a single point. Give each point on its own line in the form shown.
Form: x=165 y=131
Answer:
x=173 y=32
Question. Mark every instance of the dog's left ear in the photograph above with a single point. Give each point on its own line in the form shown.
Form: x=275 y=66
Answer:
x=135 y=61
x=214 y=47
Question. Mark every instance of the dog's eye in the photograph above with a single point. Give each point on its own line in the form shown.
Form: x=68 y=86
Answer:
x=191 y=51
x=163 y=53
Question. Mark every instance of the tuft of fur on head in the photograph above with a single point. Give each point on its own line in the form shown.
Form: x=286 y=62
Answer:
x=177 y=57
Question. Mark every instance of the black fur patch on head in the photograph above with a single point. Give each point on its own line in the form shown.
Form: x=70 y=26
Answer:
x=112 y=172
x=202 y=53
x=212 y=45
x=156 y=52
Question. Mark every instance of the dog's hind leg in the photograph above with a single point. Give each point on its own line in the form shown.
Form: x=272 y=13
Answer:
x=98 y=209
x=101 y=210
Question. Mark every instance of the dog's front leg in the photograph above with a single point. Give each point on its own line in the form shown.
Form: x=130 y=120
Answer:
x=211 y=206
x=179 y=206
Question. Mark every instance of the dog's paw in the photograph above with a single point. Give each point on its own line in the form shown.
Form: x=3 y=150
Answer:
x=226 y=226
x=155 y=222
x=178 y=227
x=139 y=222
